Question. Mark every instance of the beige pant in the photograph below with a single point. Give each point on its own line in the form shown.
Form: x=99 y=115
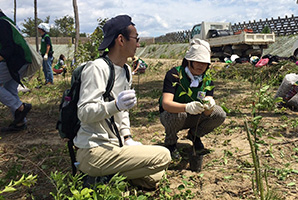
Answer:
x=144 y=165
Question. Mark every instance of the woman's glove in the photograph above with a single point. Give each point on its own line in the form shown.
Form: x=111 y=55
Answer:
x=209 y=105
x=126 y=100
x=194 y=108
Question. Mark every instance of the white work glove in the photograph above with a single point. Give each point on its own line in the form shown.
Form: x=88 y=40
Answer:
x=131 y=142
x=194 y=108
x=126 y=100
x=45 y=57
x=133 y=73
x=210 y=104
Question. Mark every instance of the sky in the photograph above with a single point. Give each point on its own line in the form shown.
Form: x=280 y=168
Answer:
x=154 y=18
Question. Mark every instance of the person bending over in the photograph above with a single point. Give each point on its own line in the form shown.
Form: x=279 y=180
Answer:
x=178 y=112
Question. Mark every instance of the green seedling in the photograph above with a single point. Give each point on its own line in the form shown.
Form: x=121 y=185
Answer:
x=13 y=186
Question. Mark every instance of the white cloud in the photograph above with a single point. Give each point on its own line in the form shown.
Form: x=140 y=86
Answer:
x=155 y=17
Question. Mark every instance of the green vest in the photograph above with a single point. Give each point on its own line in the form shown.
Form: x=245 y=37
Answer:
x=185 y=82
x=43 y=45
x=19 y=40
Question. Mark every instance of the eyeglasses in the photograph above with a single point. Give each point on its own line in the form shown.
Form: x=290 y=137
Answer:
x=137 y=38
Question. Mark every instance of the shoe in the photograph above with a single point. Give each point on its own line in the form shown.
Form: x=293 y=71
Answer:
x=198 y=144
x=90 y=181
x=174 y=152
x=20 y=115
x=189 y=135
x=171 y=147
x=48 y=83
x=14 y=128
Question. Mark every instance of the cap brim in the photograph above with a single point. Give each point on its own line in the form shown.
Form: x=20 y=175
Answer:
x=106 y=42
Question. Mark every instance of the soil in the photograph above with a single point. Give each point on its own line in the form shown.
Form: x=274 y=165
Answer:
x=227 y=171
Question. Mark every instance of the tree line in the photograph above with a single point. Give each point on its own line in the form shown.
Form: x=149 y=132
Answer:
x=66 y=26
x=63 y=27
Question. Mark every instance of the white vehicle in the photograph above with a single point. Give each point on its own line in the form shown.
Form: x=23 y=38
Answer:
x=295 y=49
x=224 y=42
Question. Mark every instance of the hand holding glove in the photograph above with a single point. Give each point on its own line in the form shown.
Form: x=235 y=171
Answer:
x=45 y=57
x=194 y=108
x=131 y=142
x=126 y=100
x=210 y=104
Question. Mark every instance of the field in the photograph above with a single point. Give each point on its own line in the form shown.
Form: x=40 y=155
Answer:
x=228 y=170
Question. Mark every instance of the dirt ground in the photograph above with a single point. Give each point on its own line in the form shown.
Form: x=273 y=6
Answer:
x=227 y=171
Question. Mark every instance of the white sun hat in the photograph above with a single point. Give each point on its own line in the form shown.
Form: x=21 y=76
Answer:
x=199 y=51
x=44 y=26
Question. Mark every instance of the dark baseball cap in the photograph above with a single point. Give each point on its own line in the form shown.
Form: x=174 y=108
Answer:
x=112 y=27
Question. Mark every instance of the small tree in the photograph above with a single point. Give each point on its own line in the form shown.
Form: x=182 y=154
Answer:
x=89 y=50
x=29 y=25
x=266 y=29
x=65 y=26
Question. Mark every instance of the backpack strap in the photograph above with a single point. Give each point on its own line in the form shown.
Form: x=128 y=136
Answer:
x=111 y=79
x=104 y=56
x=107 y=96
x=76 y=81
x=72 y=155
x=127 y=72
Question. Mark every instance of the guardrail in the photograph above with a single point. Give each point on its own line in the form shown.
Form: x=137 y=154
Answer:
x=280 y=26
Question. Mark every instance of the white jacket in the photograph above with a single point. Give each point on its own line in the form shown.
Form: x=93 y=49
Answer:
x=93 y=110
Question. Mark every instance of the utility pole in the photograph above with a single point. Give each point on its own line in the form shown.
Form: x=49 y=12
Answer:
x=35 y=24
x=77 y=26
x=15 y=12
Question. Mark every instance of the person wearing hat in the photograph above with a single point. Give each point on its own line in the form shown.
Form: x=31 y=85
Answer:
x=138 y=65
x=15 y=56
x=46 y=51
x=99 y=151
x=178 y=112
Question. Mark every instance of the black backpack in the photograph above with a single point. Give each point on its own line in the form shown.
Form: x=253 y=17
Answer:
x=68 y=123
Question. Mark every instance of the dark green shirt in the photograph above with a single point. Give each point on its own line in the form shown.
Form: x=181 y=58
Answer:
x=171 y=86
x=46 y=40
